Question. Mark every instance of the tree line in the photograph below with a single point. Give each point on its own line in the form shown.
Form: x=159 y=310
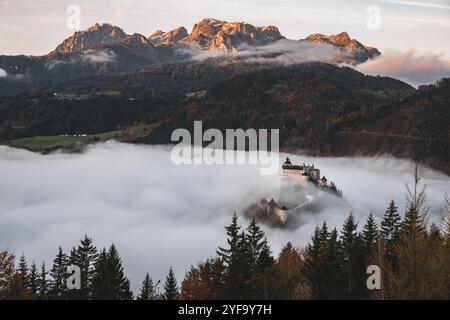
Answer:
x=414 y=260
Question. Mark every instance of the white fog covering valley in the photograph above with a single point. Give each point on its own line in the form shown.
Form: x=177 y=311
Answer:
x=161 y=215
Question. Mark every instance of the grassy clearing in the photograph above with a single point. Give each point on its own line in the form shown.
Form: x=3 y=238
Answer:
x=43 y=143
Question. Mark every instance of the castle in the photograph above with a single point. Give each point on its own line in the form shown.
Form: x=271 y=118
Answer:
x=304 y=172
x=308 y=173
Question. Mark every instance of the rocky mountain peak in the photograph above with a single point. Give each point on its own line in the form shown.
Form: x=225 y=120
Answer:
x=341 y=38
x=160 y=37
x=352 y=51
x=228 y=36
x=136 y=39
x=98 y=34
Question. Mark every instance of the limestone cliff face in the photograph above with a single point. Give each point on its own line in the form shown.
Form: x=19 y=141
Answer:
x=166 y=38
x=352 y=51
x=230 y=36
x=91 y=37
x=218 y=35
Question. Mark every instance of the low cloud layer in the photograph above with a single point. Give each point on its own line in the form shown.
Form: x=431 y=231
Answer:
x=159 y=214
x=285 y=52
x=104 y=56
x=3 y=73
x=410 y=67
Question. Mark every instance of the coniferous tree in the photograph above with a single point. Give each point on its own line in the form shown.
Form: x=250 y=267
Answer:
x=119 y=281
x=409 y=281
x=18 y=289
x=33 y=281
x=256 y=242
x=349 y=239
x=370 y=233
x=148 y=291
x=237 y=259
x=109 y=281
x=58 y=273
x=100 y=286
x=170 y=286
x=73 y=294
x=227 y=254
x=86 y=255
x=313 y=260
x=264 y=285
x=43 y=283
x=333 y=273
x=390 y=230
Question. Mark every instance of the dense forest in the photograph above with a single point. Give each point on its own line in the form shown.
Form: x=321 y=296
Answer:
x=318 y=108
x=414 y=259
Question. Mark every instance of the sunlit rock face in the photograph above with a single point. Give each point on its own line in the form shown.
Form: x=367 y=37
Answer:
x=229 y=36
x=92 y=37
x=352 y=51
x=160 y=37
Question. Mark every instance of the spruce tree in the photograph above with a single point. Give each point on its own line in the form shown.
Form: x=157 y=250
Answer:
x=43 y=283
x=170 y=286
x=73 y=294
x=33 y=281
x=58 y=273
x=349 y=239
x=333 y=273
x=370 y=234
x=390 y=231
x=237 y=259
x=100 y=285
x=227 y=254
x=120 y=283
x=390 y=226
x=411 y=251
x=313 y=262
x=148 y=291
x=109 y=281
x=414 y=223
x=264 y=281
x=256 y=242
x=86 y=255
x=265 y=258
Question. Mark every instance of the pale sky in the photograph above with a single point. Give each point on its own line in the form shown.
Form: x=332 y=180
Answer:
x=37 y=27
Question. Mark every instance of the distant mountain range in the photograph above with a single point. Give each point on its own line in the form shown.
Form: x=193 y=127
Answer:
x=107 y=49
x=102 y=80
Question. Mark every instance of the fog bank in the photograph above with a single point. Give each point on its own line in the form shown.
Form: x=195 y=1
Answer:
x=159 y=214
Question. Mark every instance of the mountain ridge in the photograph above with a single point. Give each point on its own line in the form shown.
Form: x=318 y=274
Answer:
x=137 y=51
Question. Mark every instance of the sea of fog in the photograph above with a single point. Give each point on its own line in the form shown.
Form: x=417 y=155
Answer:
x=160 y=215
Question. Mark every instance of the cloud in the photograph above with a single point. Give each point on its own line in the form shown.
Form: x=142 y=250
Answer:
x=159 y=214
x=52 y=64
x=92 y=56
x=285 y=52
x=408 y=66
x=429 y=4
x=3 y=73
